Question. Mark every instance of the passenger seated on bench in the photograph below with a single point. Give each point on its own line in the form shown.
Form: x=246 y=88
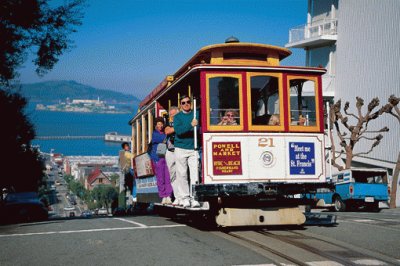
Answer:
x=229 y=118
x=302 y=120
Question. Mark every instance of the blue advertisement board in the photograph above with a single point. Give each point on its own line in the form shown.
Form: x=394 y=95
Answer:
x=302 y=158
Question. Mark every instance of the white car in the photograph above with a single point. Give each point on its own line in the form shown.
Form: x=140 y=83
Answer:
x=102 y=211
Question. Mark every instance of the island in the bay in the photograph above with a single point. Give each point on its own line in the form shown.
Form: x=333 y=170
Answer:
x=81 y=105
x=71 y=96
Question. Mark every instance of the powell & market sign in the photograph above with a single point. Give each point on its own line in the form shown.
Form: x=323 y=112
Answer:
x=227 y=158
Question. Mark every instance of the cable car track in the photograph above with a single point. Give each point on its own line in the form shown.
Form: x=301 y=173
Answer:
x=291 y=246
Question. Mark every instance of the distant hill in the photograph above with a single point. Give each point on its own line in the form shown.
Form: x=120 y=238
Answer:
x=55 y=91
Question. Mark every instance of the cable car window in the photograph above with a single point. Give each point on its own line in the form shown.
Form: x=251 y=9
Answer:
x=224 y=101
x=302 y=102
x=265 y=100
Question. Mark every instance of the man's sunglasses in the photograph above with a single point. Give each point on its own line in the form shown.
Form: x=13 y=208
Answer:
x=187 y=102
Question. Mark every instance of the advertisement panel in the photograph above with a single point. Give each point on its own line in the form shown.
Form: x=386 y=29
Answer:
x=263 y=157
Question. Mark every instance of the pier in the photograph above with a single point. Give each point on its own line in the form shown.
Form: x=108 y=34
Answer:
x=112 y=136
x=67 y=137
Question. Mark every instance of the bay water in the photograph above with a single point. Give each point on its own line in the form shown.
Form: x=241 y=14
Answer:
x=51 y=123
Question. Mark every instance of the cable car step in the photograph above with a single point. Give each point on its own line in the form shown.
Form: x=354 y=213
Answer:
x=204 y=206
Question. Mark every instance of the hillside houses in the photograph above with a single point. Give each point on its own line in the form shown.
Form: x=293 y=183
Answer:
x=97 y=177
x=92 y=170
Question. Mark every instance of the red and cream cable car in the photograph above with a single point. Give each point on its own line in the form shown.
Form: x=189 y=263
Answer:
x=251 y=168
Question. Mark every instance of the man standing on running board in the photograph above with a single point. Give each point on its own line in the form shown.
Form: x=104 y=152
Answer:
x=185 y=154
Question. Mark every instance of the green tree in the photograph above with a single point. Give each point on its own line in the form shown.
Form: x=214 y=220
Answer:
x=77 y=188
x=32 y=25
x=105 y=195
x=68 y=178
x=21 y=165
x=114 y=178
x=28 y=26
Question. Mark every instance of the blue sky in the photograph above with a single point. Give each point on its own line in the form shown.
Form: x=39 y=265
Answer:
x=130 y=46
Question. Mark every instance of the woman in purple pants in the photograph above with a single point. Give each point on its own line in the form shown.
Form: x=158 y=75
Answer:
x=160 y=165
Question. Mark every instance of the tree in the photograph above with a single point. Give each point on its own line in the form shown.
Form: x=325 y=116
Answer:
x=68 y=178
x=21 y=166
x=392 y=104
x=358 y=131
x=27 y=25
x=32 y=25
x=114 y=179
x=77 y=188
x=105 y=195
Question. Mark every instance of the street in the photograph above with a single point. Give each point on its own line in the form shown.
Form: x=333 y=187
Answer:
x=61 y=206
x=356 y=239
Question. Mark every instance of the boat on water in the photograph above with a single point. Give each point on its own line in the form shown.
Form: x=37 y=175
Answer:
x=115 y=137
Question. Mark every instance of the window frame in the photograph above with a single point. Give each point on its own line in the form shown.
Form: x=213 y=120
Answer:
x=210 y=127
x=252 y=127
x=302 y=128
x=133 y=142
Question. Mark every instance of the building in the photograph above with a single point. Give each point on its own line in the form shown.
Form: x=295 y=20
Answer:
x=80 y=166
x=97 y=177
x=318 y=37
x=358 y=43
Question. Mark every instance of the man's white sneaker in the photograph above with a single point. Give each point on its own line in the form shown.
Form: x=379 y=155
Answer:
x=176 y=202
x=194 y=203
x=185 y=203
x=163 y=201
x=168 y=201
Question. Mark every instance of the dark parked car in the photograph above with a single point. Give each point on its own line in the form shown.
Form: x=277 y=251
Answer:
x=119 y=211
x=23 y=207
x=86 y=214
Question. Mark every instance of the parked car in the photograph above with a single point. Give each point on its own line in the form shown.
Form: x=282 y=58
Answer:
x=119 y=211
x=69 y=208
x=102 y=211
x=86 y=214
x=23 y=207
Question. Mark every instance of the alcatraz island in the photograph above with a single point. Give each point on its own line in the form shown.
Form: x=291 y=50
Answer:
x=81 y=105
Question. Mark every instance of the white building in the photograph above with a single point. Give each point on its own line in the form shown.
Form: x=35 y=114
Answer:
x=318 y=37
x=77 y=165
x=358 y=43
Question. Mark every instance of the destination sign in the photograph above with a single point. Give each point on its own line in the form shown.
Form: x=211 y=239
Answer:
x=227 y=158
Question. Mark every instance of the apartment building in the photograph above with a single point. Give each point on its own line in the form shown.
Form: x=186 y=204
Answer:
x=358 y=43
